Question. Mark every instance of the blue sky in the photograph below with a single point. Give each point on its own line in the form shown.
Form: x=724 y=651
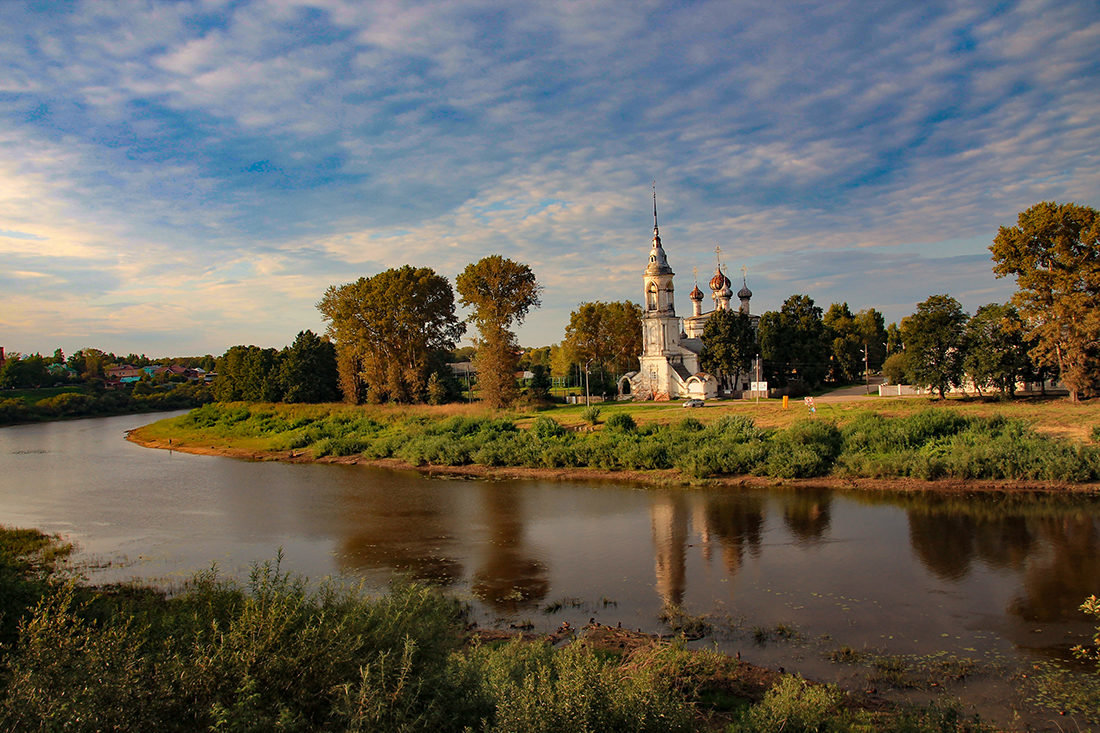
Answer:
x=179 y=177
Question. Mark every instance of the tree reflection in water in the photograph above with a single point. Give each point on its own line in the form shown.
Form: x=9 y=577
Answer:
x=508 y=579
x=393 y=530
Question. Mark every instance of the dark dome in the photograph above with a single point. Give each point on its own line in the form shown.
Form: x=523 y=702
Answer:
x=744 y=293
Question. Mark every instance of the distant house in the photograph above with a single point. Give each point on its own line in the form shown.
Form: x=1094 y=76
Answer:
x=124 y=371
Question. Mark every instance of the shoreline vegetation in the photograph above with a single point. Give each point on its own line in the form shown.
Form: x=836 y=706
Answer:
x=903 y=444
x=72 y=402
x=281 y=653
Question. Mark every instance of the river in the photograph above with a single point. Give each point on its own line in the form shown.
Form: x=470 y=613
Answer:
x=783 y=575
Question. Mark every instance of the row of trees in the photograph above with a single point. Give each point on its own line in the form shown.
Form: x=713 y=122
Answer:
x=305 y=371
x=1051 y=327
x=394 y=331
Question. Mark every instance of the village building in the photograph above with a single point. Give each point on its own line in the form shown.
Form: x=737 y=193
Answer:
x=669 y=366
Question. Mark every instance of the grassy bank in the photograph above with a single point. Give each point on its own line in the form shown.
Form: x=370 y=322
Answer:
x=278 y=654
x=895 y=439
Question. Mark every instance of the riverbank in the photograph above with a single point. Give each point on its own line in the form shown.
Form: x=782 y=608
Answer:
x=949 y=449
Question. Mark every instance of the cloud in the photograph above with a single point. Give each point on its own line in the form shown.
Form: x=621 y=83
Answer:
x=212 y=164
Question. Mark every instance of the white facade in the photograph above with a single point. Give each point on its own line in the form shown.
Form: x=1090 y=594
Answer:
x=669 y=364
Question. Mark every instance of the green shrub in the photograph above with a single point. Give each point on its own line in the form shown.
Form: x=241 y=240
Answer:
x=807 y=448
x=1095 y=433
x=546 y=427
x=534 y=688
x=13 y=410
x=591 y=414
x=622 y=422
x=795 y=706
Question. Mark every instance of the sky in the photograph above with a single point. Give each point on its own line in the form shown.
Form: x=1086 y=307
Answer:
x=180 y=177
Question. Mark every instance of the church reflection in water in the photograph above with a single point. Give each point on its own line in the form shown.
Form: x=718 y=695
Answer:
x=1051 y=550
x=728 y=526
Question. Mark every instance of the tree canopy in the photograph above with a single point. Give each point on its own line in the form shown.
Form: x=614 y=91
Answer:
x=794 y=343
x=609 y=334
x=389 y=330
x=996 y=348
x=729 y=344
x=933 y=338
x=1054 y=252
x=499 y=292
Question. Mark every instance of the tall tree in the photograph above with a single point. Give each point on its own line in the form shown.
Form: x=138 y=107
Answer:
x=872 y=332
x=729 y=344
x=499 y=292
x=793 y=342
x=933 y=338
x=386 y=329
x=1054 y=252
x=846 y=344
x=996 y=348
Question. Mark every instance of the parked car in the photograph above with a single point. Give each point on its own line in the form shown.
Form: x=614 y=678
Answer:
x=693 y=403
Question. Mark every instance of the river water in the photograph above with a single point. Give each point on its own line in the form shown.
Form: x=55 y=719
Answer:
x=784 y=574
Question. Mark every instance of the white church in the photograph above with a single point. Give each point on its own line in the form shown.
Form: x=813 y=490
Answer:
x=669 y=365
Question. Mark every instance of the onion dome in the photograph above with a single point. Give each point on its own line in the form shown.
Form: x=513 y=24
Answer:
x=719 y=281
x=696 y=293
x=744 y=293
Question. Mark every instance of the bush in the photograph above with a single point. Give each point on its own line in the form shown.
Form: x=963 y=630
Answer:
x=12 y=410
x=794 y=706
x=545 y=428
x=535 y=688
x=622 y=422
x=591 y=414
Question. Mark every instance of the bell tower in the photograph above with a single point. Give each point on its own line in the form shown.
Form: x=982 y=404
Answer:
x=659 y=322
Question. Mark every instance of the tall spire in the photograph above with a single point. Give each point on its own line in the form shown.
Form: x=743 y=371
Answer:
x=655 y=232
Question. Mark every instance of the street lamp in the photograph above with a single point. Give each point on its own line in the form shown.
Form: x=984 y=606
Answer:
x=587 y=399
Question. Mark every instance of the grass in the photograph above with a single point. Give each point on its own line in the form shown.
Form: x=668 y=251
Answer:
x=887 y=439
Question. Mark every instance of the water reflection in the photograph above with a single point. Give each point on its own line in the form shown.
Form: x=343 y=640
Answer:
x=1005 y=570
x=397 y=530
x=806 y=514
x=509 y=577
x=669 y=523
x=737 y=523
x=1061 y=576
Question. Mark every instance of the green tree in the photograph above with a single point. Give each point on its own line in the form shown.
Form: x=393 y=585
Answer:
x=387 y=328
x=539 y=389
x=729 y=344
x=248 y=373
x=846 y=344
x=893 y=339
x=307 y=372
x=609 y=335
x=872 y=332
x=996 y=348
x=1054 y=252
x=499 y=292
x=26 y=371
x=933 y=338
x=794 y=342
